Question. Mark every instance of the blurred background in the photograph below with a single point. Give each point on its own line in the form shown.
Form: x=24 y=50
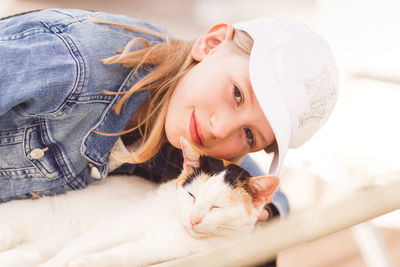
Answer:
x=358 y=146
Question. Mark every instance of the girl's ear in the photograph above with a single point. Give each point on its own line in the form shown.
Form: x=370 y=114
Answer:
x=208 y=41
x=262 y=188
x=191 y=158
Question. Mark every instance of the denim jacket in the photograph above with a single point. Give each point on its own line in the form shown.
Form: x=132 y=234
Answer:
x=52 y=104
x=51 y=99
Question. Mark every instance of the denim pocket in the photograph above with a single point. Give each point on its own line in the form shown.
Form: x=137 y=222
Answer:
x=13 y=162
x=41 y=155
x=24 y=154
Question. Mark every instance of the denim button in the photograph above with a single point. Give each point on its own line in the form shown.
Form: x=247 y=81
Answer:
x=37 y=153
x=95 y=173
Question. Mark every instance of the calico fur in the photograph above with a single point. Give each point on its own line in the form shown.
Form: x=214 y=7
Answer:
x=129 y=221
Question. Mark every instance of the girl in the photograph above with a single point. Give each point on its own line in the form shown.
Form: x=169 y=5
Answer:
x=72 y=109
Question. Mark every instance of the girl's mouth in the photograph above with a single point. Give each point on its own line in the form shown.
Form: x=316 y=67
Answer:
x=194 y=130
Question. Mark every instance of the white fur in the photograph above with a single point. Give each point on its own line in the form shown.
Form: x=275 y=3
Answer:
x=122 y=221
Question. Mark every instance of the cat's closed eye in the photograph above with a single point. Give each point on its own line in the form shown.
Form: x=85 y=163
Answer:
x=214 y=207
x=190 y=194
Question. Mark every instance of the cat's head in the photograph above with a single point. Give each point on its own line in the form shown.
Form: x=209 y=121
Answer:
x=219 y=199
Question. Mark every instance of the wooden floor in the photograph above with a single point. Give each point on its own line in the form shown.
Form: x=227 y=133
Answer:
x=338 y=249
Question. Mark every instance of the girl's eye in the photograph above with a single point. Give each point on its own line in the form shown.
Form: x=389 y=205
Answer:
x=249 y=137
x=194 y=198
x=238 y=95
x=214 y=207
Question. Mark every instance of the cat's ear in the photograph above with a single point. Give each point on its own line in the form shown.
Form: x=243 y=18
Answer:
x=261 y=188
x=191 y=158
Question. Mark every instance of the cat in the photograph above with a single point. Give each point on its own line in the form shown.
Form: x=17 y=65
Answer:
x=129 y=221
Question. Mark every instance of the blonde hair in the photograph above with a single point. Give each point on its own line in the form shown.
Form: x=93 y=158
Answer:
x=172 y=59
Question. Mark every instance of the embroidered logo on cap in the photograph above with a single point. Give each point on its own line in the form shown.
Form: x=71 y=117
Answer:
x=320 y=89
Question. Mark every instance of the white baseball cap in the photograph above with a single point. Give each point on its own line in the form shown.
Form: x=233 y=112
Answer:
x=295 y=79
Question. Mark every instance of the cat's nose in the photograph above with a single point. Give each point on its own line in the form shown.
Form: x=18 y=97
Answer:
x=195 y=219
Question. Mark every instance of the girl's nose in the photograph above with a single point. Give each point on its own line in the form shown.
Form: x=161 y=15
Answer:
x=223 y=125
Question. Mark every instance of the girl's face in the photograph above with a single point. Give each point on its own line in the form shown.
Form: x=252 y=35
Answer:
x=213 y=105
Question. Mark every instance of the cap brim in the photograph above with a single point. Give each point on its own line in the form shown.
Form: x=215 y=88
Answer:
x=272 y=101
